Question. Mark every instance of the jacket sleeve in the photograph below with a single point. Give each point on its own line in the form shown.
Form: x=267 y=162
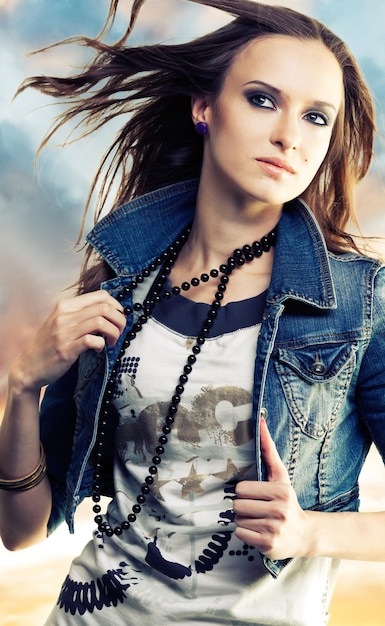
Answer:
x=57 y=427
x=371 y=381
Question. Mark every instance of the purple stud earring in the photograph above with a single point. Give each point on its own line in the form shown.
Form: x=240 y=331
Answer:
x=201 y=128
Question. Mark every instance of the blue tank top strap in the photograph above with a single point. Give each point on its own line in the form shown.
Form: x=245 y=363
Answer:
x=186 y=317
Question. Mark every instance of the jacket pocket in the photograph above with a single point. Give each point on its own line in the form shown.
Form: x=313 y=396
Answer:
x=315 y=380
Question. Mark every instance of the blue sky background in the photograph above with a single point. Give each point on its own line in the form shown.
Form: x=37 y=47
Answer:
x=40 y=212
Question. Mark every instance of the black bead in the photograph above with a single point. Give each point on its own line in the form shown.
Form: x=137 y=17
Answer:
x=109 y=532
x=191 y=359
x=118 y=530
x=166 y=430
x=131 y=517
x=187 y=369
x=149 y=480
x=136 y=508
x=196 y=349
x=152 y=469
x=97 y=508
x=156 y=460
x=170 y=419
x=176 y=291
x=183 y=379
x=163 y=440
x=214 y=273
x=179 y=389
x=145 y=489
x=205 y=278
x=160 y=450
x=98 y=519
x=140 y=499
x=185 y=286
x=125 y=525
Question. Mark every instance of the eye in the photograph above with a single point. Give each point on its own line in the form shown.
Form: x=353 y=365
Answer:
x=317 y=118
x=261 y=100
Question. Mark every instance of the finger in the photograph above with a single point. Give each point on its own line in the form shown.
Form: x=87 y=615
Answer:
x=93 y=298
x=96 y=317
x=276 y=471
x=254 y=499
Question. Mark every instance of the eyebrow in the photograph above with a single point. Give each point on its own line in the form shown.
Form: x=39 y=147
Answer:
x=278 y=92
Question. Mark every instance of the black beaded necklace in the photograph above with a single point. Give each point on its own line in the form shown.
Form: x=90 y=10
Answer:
x=165 y=262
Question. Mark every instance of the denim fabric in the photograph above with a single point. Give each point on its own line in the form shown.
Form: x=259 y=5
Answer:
x=319 y=375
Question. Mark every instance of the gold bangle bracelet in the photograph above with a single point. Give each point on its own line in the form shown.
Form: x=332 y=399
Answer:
x=29 y=481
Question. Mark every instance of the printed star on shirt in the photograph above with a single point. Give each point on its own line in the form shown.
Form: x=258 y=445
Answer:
x=192 y=482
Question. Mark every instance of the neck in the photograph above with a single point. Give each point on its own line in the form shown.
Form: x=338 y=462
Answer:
x=220 y=226
x=215 y=234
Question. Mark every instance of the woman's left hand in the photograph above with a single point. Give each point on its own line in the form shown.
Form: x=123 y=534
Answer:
x=268 y=515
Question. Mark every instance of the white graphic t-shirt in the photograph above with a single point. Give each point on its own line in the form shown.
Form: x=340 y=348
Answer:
x=180 y=561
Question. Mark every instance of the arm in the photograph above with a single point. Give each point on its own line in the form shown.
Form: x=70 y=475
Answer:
x=269 y=517
x=75 y=325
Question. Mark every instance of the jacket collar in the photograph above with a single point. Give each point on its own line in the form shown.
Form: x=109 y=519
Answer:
x=133 y=235
x=301 y=269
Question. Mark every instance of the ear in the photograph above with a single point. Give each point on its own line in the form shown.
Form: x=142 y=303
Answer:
x=199 y=106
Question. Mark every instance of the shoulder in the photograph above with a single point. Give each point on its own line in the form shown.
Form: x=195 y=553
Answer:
x=359 y=278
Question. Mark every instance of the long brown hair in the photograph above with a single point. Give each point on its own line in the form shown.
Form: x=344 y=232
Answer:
x=152 y=85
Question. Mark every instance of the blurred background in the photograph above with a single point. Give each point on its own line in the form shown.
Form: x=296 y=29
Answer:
x=40 y=215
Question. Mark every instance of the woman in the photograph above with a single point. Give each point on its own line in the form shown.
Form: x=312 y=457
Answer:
x=230 y=423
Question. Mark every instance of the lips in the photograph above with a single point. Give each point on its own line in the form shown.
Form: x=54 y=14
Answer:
x=275 y=165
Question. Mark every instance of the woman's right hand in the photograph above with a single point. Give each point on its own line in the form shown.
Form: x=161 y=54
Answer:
x=88 y=321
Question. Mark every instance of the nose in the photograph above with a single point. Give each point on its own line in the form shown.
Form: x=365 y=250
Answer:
x=286 y=132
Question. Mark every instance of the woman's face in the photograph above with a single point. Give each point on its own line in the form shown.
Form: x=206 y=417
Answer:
x=270 y=127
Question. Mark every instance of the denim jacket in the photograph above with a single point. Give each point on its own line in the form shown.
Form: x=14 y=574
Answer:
x=319 y=374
